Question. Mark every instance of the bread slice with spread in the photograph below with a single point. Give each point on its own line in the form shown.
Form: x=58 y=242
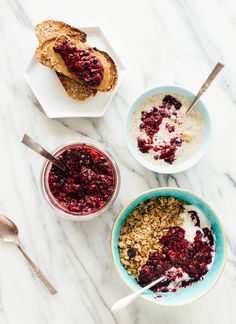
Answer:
x=53 y=28
x=48 y=54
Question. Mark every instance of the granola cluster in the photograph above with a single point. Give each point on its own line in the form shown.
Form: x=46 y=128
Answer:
x=143 y=228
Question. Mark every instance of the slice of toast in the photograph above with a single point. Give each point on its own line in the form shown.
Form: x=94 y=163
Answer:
x=53 y=28
x=46 y=55
x=75 y=89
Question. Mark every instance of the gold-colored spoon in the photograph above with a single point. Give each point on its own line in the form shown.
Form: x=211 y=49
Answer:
x=205 y=86
x=9 y=233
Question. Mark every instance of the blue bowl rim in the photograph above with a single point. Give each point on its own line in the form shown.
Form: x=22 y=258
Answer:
x=157 y=300
x=186 y=164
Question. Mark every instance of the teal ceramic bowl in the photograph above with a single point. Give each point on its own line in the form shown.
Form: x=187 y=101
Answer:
x=183 y=295
x=168 y=169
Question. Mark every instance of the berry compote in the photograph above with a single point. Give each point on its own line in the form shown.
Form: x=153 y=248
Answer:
x=87 y=67
x=179 y=260
x=88 y=183
x=151 y=121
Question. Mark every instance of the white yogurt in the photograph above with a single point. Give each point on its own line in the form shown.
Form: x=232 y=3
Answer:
x=188 y=225
x=175 y=284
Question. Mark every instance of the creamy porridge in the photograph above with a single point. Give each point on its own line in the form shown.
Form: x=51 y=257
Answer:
x=163 y=133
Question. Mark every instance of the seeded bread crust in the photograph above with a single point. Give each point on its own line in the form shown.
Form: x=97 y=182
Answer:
x=46 y=55
x=53 y=28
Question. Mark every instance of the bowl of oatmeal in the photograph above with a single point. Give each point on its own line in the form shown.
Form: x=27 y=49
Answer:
x=173 y=233
x=161 y=136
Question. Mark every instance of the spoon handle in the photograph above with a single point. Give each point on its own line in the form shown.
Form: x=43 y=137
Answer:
x=125 y=301
x=38 y=272
x=28 y=141
x=205 y=85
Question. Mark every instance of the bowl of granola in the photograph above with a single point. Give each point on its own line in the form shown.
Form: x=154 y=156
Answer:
x=173 y=233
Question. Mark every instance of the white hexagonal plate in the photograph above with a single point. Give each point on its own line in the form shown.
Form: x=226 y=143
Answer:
x=52 y=96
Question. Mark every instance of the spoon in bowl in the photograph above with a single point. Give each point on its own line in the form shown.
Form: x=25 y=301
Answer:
x=205 y=86
x=28 y=141
x=9 y=233
x=125 y=301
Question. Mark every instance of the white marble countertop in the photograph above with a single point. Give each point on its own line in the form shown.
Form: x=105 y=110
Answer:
x=160 y=42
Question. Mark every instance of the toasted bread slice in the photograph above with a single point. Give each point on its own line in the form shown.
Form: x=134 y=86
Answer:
x=53 y=28
x=75 y=89
x=46 y=55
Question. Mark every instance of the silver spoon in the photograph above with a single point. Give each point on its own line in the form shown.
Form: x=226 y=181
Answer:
x=205 y=86
x=28 y=141
x=9 y=233
x=125 y=301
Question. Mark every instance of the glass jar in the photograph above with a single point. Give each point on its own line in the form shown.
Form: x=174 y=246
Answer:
x=58 y=206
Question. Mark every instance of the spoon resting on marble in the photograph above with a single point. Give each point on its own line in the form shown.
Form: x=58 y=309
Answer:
x=28 y=141
x=9 y=233
x=125 y=301
x=219 y=66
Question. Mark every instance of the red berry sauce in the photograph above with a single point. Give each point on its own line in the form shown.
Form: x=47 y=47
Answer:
x=88 y=182
x=191 y=258
x=150 y=125
x=87 y=67
x=170 y=128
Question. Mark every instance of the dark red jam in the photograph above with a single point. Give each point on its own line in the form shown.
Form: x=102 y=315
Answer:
x=88 y=182
x=87 y=67
x=150 y=124
x=170 y=128
x=178 y=253
x=171 y=101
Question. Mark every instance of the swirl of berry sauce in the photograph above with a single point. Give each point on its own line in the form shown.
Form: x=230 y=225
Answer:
x=88 y=183
x=150 y=124
x=87 y=67
x=177 y=252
